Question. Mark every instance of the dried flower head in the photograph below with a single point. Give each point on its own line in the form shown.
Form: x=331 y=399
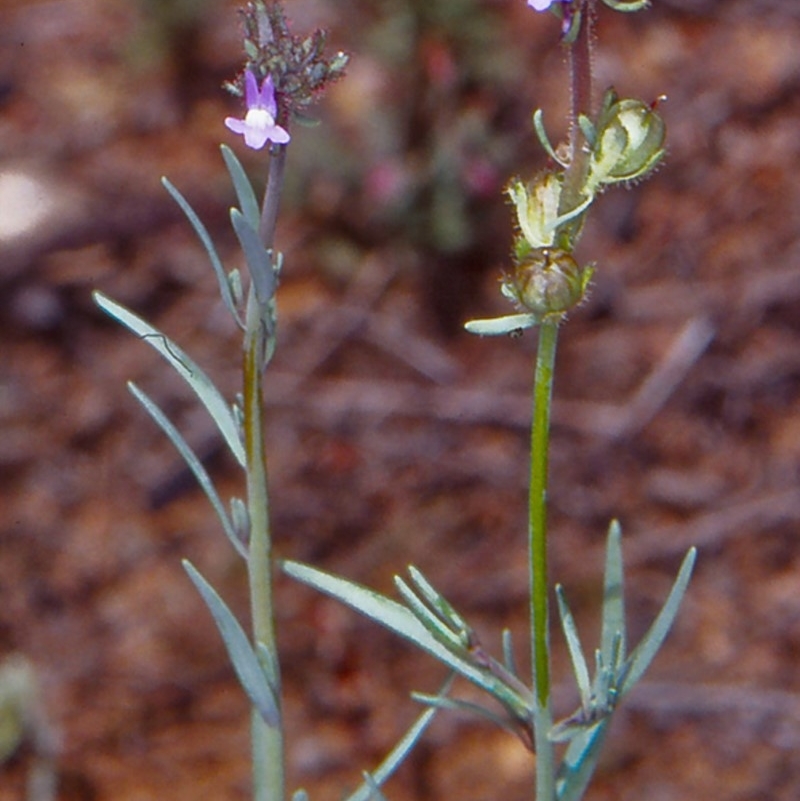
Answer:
x=297 y=66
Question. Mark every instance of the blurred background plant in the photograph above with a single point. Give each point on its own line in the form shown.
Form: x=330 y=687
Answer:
x=390 y=410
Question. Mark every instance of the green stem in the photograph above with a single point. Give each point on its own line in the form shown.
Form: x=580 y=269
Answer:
x=537 y=533
x=267 y=741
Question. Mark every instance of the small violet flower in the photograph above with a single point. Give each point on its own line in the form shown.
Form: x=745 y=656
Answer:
x=258 y=126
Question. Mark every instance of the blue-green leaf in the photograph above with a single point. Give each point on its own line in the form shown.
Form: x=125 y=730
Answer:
x=645 y=651
x=579 y=763
x=194 y=464
x=469 y=707
x=613 y=625
x=208 y=244
x=435 y=627
x=248 y=204
x=509 y=660
x=579 y=667
x=398 y=754
x=400 y=620
x=498 y=326
x=246 y=664
x=200 y=383
x=259 y=259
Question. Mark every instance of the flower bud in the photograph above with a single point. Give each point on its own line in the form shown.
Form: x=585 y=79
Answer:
x=630 y=142
x=548 y=281
x=537 y=207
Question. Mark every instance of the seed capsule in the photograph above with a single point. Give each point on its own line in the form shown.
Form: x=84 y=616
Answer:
x=548 y=281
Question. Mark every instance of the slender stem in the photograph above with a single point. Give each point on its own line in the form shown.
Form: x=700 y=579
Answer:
x=272 y=196
x=537 y=532
x=580 y=64
x=267 y=741
x=580 y=58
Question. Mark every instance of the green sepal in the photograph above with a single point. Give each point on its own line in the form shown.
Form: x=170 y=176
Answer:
x=627 y=5
x=574 y=28
x=544 y=140
x=588 y=129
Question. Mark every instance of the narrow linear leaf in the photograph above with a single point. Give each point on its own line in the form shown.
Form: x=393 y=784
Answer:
x=259 y=259
x=194 y=464
x=442 y=606
x=402 y=749
x=401 y=621
x=248 y=204
x=208 y=244
x=246 y=664
x=574 y=645
x=613 y=625
x=191 y=373
x=456 y=705
x=509 y=659
x=435 y=627
x=498 y=326
x=579 y=763
x=645 y=651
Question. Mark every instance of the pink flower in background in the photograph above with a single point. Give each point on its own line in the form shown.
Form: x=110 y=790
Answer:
x=258 y=126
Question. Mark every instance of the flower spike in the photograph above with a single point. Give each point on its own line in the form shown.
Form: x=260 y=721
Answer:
x=258 y=126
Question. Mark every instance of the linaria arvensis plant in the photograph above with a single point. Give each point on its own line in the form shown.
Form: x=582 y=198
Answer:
x=618 y=143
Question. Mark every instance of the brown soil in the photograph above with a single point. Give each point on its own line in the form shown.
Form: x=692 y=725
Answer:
x=394 y=438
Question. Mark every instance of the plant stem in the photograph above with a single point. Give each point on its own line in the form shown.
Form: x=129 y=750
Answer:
x=267 y=741
x=537 y=534
x=580 y=59
x=580 y=66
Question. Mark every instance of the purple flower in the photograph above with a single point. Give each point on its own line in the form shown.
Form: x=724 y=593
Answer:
x=542 y=5
x=258 y=126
